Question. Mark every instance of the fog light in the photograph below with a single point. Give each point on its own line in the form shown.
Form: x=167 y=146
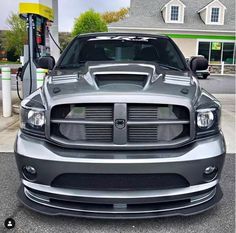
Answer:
x=210 y=173
x=29 y=172
x=209 y=170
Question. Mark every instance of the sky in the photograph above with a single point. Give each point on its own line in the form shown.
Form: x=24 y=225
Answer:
x=68 y=10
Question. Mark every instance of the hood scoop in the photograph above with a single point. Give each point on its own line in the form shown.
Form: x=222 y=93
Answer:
x=126 y=78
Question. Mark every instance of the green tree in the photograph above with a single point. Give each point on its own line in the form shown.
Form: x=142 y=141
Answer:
x=16 y=36
x=114 y=16
x=64 y=39
x=89 y=21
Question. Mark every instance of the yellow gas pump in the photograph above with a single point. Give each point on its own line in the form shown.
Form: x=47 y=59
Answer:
x=38 y=14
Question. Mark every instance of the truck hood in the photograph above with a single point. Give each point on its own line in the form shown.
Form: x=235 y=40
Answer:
x=121 y=82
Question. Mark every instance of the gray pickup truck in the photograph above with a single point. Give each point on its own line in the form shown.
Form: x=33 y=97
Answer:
x=120 y=129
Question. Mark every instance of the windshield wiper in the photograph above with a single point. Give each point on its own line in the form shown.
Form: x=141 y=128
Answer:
x=169 y=67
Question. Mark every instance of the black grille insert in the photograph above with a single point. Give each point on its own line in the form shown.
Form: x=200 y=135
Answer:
x=95 y=124
x=98 y=112
x=153 y=112
x=69 y=122
x=119 y=181
x=167 y=122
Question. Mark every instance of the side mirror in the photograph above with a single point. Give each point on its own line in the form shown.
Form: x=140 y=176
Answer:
x=198 y=63
x=46 y=62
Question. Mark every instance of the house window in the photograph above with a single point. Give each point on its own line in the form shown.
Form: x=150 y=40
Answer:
x=229 y=53
x=215 y=13
x=174 y=15
x=216 y=52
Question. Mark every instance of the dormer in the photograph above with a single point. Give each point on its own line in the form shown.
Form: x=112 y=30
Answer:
x=173 y=12
x=213 y=13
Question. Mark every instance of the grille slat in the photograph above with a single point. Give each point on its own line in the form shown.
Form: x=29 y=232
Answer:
x=95 y=113
x=99 y=133
x=143 y=113
x=140 y=133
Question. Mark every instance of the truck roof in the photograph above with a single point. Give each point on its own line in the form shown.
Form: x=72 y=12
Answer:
x=121 y=34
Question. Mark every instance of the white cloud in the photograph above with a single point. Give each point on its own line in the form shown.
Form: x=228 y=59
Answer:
x=7 y=7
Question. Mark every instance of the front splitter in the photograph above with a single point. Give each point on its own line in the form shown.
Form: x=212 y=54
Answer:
x=177 y=212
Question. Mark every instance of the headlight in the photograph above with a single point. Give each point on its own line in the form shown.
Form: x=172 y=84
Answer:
x=32 y=120
x=208 y=121
x=32 y=114
x=205 y=119
x=36 y=118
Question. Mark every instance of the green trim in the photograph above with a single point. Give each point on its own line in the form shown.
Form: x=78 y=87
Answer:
x=190 y=36
x=6 y=79
x=40 y=79
x=41 y=72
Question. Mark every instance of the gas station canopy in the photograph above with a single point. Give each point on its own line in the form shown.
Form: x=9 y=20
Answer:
x=38 y=7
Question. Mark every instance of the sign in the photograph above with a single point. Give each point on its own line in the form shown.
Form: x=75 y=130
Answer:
x=216 y=46
x=38 y=7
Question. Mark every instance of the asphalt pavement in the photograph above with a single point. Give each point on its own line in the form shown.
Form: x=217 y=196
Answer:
x=220 y=219
x=219 y=84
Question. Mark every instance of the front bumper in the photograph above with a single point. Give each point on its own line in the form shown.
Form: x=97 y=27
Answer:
x=188 y=162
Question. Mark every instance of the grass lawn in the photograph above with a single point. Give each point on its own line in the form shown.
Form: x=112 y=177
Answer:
x=9 y=62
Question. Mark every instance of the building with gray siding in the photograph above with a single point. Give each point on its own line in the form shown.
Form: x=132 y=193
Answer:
x=199 y=27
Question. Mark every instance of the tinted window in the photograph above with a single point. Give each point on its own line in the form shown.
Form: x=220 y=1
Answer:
x=228 y=53
x=159 y=50
x=203 y=49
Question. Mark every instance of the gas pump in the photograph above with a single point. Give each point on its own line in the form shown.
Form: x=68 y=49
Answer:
x=38 y=15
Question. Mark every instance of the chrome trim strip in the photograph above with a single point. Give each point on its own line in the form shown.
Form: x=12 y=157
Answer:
x=208 y=196
x=120 y=194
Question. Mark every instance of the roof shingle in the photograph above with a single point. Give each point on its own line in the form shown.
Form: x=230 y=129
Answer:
x=147 y=14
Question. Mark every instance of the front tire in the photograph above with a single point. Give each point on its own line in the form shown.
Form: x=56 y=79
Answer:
x=204 y=76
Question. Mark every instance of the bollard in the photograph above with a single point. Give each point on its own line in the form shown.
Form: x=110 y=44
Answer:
x=222 y=67
x=6 y=92
x=40 y=75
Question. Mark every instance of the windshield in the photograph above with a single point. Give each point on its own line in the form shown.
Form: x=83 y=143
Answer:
x=122 y=49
